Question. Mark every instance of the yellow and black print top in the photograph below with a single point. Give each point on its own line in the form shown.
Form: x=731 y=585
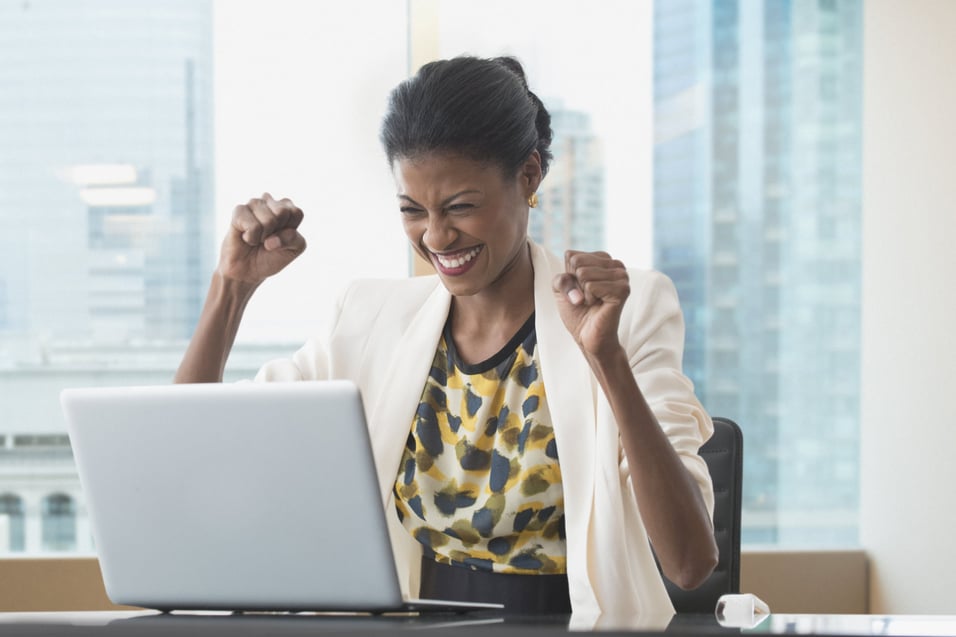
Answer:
x=479 y=483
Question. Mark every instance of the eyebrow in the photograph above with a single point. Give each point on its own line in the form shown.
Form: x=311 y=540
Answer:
x=447 y=199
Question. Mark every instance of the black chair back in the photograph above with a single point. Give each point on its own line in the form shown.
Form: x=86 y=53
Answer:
x=724 y=455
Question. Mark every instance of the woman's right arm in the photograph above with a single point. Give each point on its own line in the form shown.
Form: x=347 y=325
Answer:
x=262 y=239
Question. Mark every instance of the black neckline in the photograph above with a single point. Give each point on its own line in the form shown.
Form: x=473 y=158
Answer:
x=497 y=359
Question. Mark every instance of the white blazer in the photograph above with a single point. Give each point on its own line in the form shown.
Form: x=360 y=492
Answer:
x=384 y=338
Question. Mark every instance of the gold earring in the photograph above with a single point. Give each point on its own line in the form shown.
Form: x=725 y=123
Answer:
x=533 y=200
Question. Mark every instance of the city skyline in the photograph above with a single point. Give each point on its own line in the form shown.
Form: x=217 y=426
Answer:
x=116 y=147
x=757 y=221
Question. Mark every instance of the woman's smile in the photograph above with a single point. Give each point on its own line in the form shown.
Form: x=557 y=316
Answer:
x=457 y=262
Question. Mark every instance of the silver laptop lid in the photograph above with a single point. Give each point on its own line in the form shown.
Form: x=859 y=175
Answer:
x=234 y=496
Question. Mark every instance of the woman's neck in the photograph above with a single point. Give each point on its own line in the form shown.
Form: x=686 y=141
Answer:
x=483 y=323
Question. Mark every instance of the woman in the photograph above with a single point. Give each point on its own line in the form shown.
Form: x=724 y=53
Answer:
x=531 y=427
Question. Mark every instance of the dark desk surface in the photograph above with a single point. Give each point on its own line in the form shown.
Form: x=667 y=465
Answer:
x=149 y=623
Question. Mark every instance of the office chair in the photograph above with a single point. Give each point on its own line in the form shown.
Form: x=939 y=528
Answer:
x=723 y=454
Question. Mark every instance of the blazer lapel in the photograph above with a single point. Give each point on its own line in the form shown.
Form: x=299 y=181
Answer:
x=401 y=389
x=567 y=376
x=570 y=389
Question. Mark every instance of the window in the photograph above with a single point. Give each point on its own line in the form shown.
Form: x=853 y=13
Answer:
x=677 y=145
x=59 y=523
x=11 y=523
x=787 y=263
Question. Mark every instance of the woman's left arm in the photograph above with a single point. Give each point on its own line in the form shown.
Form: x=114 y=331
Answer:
x=590 y=297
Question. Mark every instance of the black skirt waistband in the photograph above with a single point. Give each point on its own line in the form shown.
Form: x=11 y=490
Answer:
x=526 y=594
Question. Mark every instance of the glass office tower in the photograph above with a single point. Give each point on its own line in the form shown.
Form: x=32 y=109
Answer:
x=572 y=211
x=106 y=222
x=105 y=167
x=757 y=220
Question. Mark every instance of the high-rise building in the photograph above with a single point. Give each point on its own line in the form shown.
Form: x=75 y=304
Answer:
x=757 y=220
x=105 y=168
x=571 y=214
x=106 y=221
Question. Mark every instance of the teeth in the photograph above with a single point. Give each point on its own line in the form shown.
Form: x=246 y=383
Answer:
x=457 y=262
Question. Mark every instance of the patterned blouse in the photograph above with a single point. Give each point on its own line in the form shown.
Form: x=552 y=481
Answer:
x=479 y=483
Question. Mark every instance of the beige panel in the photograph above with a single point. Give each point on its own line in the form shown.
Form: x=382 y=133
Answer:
x=907 y=412
x=807 y=582
x=789 y=581
x=47 y=584
x=423 y=27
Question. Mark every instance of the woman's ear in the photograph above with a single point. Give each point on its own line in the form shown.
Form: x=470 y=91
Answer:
x=530 y=175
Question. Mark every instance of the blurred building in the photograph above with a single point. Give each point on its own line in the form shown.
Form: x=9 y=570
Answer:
x=105 y=168
x=757 y=220
x=106 y=186
x=571 y=213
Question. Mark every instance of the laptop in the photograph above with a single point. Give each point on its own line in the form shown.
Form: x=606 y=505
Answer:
x=245 y=496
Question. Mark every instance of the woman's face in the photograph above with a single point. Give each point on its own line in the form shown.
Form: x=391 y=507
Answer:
x=466 y=218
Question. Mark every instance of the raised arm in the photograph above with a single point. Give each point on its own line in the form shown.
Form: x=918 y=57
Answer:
x=262 y=239
x=590 y=297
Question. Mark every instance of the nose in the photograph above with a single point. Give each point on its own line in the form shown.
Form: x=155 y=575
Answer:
x=439 y=233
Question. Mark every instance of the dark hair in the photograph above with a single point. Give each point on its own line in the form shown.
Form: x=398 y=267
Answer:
x=479 y=108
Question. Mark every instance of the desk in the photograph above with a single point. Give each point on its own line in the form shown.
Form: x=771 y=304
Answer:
x=148 y=623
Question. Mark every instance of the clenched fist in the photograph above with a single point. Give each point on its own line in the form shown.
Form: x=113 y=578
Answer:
x=263 y=238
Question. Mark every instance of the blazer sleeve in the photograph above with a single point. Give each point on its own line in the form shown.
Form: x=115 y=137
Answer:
x=654 y=341
x=309 y=362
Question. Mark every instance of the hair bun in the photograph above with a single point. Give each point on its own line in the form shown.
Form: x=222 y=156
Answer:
x=542 y=120
x=513 y=65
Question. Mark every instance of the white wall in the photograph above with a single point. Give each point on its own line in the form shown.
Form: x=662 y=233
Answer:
x=908 y=462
